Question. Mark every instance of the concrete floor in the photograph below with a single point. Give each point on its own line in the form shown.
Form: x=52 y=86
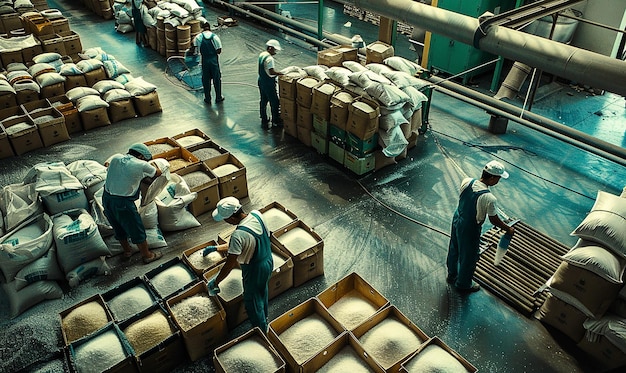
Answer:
x=390 y=226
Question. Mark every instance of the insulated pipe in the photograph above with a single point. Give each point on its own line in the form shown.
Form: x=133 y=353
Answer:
x=560 y=59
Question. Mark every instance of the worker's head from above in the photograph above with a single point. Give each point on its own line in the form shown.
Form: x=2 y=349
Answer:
x=141 y=151
x=206 y=26
x=228 y=209
x=273 y=46
x=493 y=172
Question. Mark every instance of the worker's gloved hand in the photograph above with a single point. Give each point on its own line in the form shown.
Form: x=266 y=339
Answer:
x=208 y=250
x=213 y=288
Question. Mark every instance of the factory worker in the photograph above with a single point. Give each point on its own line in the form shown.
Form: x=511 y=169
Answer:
x=267 y=85
x=141 y=32
x=475 y=204
x=209 y=46
x=121 y=189
x=249 y=246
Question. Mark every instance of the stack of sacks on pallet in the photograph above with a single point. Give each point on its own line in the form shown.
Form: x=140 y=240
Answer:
x=123 y=14
x=172 y=25
x=585 y=288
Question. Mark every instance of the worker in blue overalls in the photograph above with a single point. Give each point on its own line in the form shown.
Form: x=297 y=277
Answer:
x=475 y=204
x=267 y=85
x=249 y=246
x=209 y=46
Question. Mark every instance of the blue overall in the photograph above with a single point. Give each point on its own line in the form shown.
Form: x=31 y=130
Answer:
x=122 y=214
x=210 y=68
x=463 y=251
x=267 y=89
x=256 y=276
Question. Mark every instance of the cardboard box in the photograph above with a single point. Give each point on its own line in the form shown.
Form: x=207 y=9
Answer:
x=61 y=102
x=377 y=52
x=435 y=341
x=234 y=308
x=52 y=131
x=120 y=110
x=281 y=278
x=67 y=335
x=60 y=26
x=159 y=147
x=53 y=90
x=352 y=285
x=361 y=147
x=8 y=100
x=348 y=52
x=304 y=90
x=226 y=21
x=165 y=355
x=304 y=135
x=207 y=150
x=381 y=160
x=337 y=135
x=6 y=150
x=135 y=293
x=287 y=86
x=147 y=104
x=345 y=343
x=10 y=112
x=72 y=121
x=304 y=118
x=363 y=116
x=307 y=255
x=52 y=43
x=197 y=267
x=329 y=57
x=416 y=120
x=308 y=308
x=26 y=95
x=563 y=316
x=11 y=56
x=290 y=128
x=288 y=110
x=26 y=140
x=179 y=158
x=338 y=115
x=336 y=152
x=277 y=216
x=39 y=26
x=359 y=165
x=94 y=76
x=321 y=126
x=320 y=100
x=319 y=143
x=391 y=313
x=201 y=339
x=11 y=21
x=71 y=40
x=208 y=192
x=125 y=365
x=606 y=354
x=35 y=106
x=412 y=140
x=94 y=118
x=191 y=138
x=254 y=337
x=232 y=183
x=183 y=276
x=73 y=81
x=29 y=52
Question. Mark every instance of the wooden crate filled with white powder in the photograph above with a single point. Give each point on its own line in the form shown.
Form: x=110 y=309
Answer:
x=129 y=299
x=306 y=248
x=252 y=352
x=170 y=278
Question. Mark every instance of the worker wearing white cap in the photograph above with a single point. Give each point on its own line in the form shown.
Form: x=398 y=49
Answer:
x=209 y=46
x=249 y=246
x=267 y=84
x=475 y=203
x=121 y=190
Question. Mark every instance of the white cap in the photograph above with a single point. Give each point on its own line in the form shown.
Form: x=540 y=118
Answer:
x=496 y=168
x=225 y=208
x=274 y=43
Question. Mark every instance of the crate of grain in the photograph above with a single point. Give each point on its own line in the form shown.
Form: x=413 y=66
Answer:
x=207 y=150
x=61 y=25
x=320 y=100
x=148 y=103
x=200 y=263
x=52 y=43
x=84 y=318
x=339 y=102
x=231 y=174
x=287 y=85
x=155 y=339
x=200 y=318
x=352 y=300
x=94 y=118
x=281 y=278
x=436 y=356
x=51 y=125
x=7 y=100
x=22 y=133
x=161 y=146
x=31 y=106
x=5 y=145
x=201 y=180
x=190 y=138
x=345 y=354
x=129 y=299
x=251 y=352
x=178 y=158
x=303 y=332
x=276 y=216
x=329 y=57
x=107 y=350
x=304 y=90
x=348 y=52
x=305 y=247
x=377 y=52
x=389 y=337
x=170 y=278
x=230 y=295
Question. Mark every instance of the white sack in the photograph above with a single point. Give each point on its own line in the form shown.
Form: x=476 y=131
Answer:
x=31 y=295
x=391 y=120
x=97 y=213
x=340 y=75
x=612 y=327
x=172 y=205
x=393 y=142
x=317 y=71
x=97 y=266
x=598 y=260
x=19 y=202
x=387 y=95
x=90 y=174
x=44 y=268
x=416 y=98
x=366 y=78
x=402 y=64
x=26 y=243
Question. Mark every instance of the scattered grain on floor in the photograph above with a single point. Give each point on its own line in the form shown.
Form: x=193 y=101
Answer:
x=84 y=320
x=193 y=311
x=352 y=309
x=307 y=337
x=434 y=359
x=250 y=355
x=130 y=302
x=99 y=353
x=149 y=331
x=390 y=341
x=171 y=279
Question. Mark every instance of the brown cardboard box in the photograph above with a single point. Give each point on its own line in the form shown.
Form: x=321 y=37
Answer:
x=207 y=150
x=63 y=314
x=52 y=90
x=604 y=352
x=234 y=308
x=363 y=116
x=8 y=100
x=11 y=56
x=6 y=150
x=339 y=102
x=416 y=120
x=405 y=366
x=255 y=336
x=304 y=90
x=320 y=104
x=287 y=86
x=304 y=135
x=200 y=340
x=25 y=140
x=277 y=216
x=232 y=184
x=71 y=40
x=291 y=128
x=52 y=43
x=304 y=117
x=198 y=268
x=72 y=121
x=288 y=110
x=147 y=104
x=359 y=165
x=208 y=192
x=308 y=260
x=563 y=316
x=377 y=52
x=183 y=138
x=183 y=281
x=345 y=342
x=61 y=102
x=329 y=57
x=11 y=21
x=281 y=278
x=308 y=308
x=321 y=126
x=94 y=118
x=29 y=52
x=120 y=110
x=94 y=76
x=159 y=145
x=35 y=105
x=127 y=289
x=38 y=25
x=52 y=131
x=355 y=286
x=26 y=95
x=348 y=52
x=61 y=25
x=179 y=158
x=11 y=112
x=319 y=143
x=73 y=81
x=381 y=160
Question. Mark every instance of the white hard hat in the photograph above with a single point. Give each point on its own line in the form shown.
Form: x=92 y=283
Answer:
x=274 y=43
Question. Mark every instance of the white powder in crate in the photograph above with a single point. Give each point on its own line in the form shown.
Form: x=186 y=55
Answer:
x=178 y=163
x=434 y=359
x=352 y=309
x=250 y=355
x=130 y=302
x=206 y=153
x=278 y=260
x=194 y=310
x=225 y=169
x=232 y=286
x=160 y=148
x=307 y=337
x=297 y=240
x=196 y=178
x=83 y=320
x=171 y=280
x=99 y=353
x=346 y=360
x=276 y=218
x=389 y=341
x=17 y=128
x=146 y=333
x=200 y=261
x=190 y=140
x=43 y=119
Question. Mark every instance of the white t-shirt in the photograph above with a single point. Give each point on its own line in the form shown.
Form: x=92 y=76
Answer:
x=243 y=243
x=486 y=203
x=125 y=173
x=217 y=43
x=269 y=62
